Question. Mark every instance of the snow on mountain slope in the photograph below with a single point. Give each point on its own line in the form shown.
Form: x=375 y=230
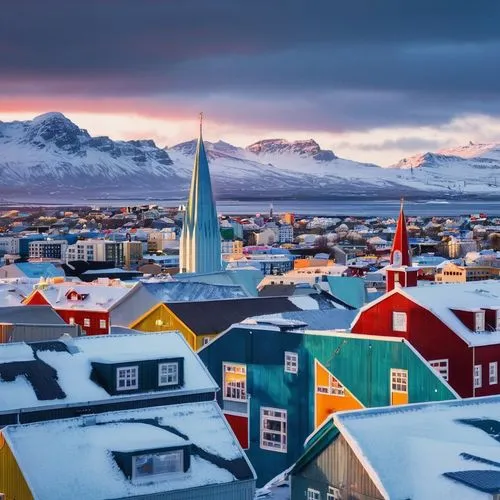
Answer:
x=51 y=151
x=50 y=154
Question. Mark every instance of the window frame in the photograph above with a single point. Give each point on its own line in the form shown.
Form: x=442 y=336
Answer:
x=103 y=323
x=86 y=322
x=242 y=389
x=118 y=378
x=313 y=494
x=334 y=388
x=291 y=362
x=493 y=380
x=282 y=419
x=443 y=371
x=402 y=374
x=479 y=326
x=179 y=453
x=403 y=317
x=168 y=364
x=333 y=493
x=478 y=376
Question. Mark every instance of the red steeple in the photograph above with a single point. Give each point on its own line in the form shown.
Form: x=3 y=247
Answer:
x=400 y=252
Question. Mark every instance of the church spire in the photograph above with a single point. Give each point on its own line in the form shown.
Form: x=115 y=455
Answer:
x=400 y=253
x=200 y=245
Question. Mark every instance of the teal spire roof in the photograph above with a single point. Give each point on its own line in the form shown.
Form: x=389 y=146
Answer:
x=200 y=245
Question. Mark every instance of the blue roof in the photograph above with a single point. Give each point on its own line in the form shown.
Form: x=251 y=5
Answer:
x=487 y=481
x=348 y=289
x=175 y=291
x=40 y=269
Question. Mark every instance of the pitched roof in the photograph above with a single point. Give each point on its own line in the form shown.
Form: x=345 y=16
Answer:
x=434 y=439
x=67 y=465
x=30 y=315
x=97 y=297
x=441 y=299
x=350 y=290
x=215 y=316
x=66 y=365
x=400 y=242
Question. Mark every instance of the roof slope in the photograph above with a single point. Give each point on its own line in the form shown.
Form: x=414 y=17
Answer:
x=432 y=439
x=66 y=368
x=30 y=315
x=82 y=464
x=215 y=316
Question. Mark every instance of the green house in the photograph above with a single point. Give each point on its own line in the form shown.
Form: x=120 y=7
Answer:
x=278 y=385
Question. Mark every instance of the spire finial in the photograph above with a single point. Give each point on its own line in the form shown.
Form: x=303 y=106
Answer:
x=402 y=200
x=201 y=122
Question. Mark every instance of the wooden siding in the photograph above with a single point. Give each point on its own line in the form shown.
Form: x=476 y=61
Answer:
x=427 y=333
x=362 y=364
x=150 y=322
x=12 y=482
x=339 y=467
x=237 y=490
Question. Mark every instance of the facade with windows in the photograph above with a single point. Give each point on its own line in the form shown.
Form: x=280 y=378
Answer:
x=48 y=249
x=455 y=327
x=278 y=386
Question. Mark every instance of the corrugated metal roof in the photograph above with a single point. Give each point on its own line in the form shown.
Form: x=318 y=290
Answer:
x=30 y=315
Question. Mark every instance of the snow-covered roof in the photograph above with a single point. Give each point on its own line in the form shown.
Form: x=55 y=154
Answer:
x=82 y=464
x=97 y=297
x=432 y=439
x=441 y=299
x=73 y=367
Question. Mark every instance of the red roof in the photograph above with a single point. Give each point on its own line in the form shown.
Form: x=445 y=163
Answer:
x=400 y=242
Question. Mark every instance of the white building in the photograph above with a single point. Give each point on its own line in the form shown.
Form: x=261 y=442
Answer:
x=48 y=249
x=9 y=245
x=97 y=251
x=285 y=234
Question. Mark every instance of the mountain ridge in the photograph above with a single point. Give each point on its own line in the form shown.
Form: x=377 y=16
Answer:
x=52 y=154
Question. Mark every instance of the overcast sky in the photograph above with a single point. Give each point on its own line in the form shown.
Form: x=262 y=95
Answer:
x=374 y=80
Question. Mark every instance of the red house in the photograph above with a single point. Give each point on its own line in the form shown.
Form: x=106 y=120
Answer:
x=82 y=304
x=455 y=327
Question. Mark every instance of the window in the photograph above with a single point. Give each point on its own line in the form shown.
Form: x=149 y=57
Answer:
x=235 y=382
x=291 y=362
x=441 y=366
x=333 y=494
x=479 y=321
x=399 y=321
x=493 y=372
x=206 y=340
x=102 y=323
x=71 y=321
x=399 y=380
x=158 y=463
x=86 y=322
x=273 y=429
x=478 y=376
x=335 y=388
x=127 y=378
x=168 y=373
x=313 y=494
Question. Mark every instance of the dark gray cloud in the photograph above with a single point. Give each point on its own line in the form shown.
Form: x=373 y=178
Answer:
x=321 y=64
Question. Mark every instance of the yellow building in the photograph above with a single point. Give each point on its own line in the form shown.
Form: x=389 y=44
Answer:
x=12 y=482
x=202 y=321
x=453 y=273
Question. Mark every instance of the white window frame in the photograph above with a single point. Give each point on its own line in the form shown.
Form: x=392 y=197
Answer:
x=335 y=388
x=206 y=340
x=172 y=373
x=176 y=455
x=498 y=321
x=479 y=321
x=291 y=362
x=399 y=380
x=103 y=323
x=125 y=370
x=478 y=376
x=86 y=322
x=493 y=372
x=238 y=389
x=333 y=493
x=276 y=415
x=313 y=494
x=399 y=321
x=441 y=366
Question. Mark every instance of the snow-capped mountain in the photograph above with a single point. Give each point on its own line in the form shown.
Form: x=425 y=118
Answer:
x=51 y=156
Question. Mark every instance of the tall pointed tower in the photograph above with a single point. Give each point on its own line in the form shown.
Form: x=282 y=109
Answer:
x=400 y=272
x=200 y=245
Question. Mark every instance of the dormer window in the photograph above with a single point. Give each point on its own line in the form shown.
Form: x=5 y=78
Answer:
x=168 y=374
x=127 y=378
x=155 y=464
x=479 y=321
